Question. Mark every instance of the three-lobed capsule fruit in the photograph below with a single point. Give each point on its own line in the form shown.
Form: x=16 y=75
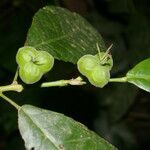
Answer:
x=86 y=63
x=96 y=68
x=99 y=76
x=33 y=64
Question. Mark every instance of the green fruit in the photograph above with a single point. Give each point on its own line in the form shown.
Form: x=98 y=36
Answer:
x=99 y=76
x=45 y=61
x=96 y=68
x=86 y=63
x=30 y=73
x=25 y=54
x=33 y=64
x=107 y=62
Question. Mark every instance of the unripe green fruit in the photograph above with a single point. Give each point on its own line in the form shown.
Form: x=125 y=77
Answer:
x=86 y=63
x=25 y=54
x=99 y=76
x=33 y=64
x=96 y=68
x=30 y=73
x=108 y=62
x=45 y=61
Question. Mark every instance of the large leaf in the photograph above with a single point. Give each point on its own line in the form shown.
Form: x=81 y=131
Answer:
x=66 y=35
x=46 y=130
x=140 y=75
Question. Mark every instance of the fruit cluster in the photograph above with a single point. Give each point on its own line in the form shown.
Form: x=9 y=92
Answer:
x=33 y=64
x=96 y=68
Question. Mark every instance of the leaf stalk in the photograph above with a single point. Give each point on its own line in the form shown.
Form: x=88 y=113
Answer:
x=122 y=79
x=10 y=101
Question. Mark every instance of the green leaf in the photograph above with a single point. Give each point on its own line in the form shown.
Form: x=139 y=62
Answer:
x=140 y=75
x=65 y=35
x=43 y=129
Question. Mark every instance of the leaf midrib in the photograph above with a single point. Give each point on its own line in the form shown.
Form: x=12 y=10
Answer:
x=132 y=76
x=61 y=37
x=51 y=141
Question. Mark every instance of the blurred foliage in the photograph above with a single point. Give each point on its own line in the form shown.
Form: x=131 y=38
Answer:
x=119 y=112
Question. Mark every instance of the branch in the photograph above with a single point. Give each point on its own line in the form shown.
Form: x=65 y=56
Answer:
x=12 y=87
x=76 y=81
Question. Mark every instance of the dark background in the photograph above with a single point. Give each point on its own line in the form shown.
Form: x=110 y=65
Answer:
x=119 y=112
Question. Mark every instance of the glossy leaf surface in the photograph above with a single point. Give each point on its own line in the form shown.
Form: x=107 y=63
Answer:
x=43 y=129
x=140 y=75
x=65 y=35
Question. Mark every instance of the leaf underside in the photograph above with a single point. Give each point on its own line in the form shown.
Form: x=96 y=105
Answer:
x=46 y=130
x=65 y=35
